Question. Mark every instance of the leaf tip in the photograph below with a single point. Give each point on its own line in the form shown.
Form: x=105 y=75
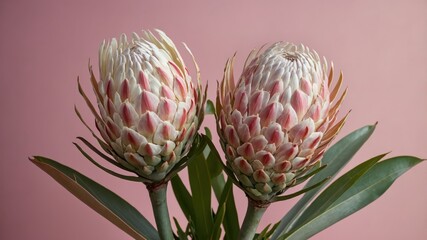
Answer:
x=34 y=158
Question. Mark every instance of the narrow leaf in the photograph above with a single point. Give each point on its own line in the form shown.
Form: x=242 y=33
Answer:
x=183 y=197
x=263 y=233
x=310 y=174
x=99 y=198
x=336 y=158
x=336 y=189
x=286 y=197
x=222 y=206
x=218 y=184
x=196 y=149
x=180 y=232
x=208 y=133
x=213 y=160
x=271 y=231
x=366 y=190
x=200 y=185
x=231 y=219
x=226 y=170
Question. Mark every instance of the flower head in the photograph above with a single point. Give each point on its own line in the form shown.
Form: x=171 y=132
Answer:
x=150 y=109
x=276 y=122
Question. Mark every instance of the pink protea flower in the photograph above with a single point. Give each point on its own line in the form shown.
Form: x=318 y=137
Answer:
x=276 y=123
x=150 y=110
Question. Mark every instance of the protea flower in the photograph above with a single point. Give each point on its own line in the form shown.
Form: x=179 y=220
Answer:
x=150 y=110
x=276 y=122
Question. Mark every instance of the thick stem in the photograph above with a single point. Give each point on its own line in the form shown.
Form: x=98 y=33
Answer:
x=160 y=209
x=253 y=217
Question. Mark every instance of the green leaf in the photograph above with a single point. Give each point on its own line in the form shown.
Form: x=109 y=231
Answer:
x=210 y=107
x=336 y=158
x=213 y=160
x=218 y=183
x=226 y=170
x=200 y=185
x=231 y=220
x=271 y=231
x=215 y=168
x=196 y=149
x=208 y=133
x=180 y=232
x=316 y=168
x=183 y=197
x=222 y=206
x=295 y=194
x=336 y=189
x=261 y=235
x=190 y=230
x=99 y=198
x=266 y=233
x=365 y=190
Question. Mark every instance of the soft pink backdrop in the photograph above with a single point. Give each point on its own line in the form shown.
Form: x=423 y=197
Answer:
x=45 y=45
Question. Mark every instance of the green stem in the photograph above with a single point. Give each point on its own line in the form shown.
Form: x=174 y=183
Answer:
x=253 y=217
x=160 y=209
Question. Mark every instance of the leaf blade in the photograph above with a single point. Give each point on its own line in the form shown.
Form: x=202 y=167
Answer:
x=200 y=185
x=304 y=190
x=350 y=144
x=231 y=219
x=99 y=199
x=366 y=190
x=180 y=232
x=337 y=188
x=183 y=197
x=222 y=206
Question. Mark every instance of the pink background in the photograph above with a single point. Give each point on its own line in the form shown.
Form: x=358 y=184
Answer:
x=379 y=45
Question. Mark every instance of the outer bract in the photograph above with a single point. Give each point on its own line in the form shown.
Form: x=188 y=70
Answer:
x=150 y=110
x=275 y=124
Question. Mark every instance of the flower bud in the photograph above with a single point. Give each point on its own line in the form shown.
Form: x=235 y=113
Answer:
x=277 y=121
x=150 y=109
